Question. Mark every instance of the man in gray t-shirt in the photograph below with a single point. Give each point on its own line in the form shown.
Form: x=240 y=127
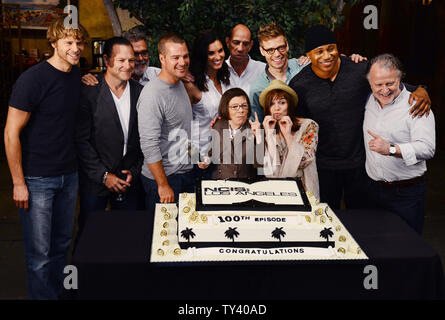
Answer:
x=164 y=119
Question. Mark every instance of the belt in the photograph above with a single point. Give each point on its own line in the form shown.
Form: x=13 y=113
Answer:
x=401 y=183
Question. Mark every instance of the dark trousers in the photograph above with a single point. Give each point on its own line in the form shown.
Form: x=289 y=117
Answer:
x=205 y=174
x=90 y=203
x=352 y=184
x=184 y=182
x=408 y=202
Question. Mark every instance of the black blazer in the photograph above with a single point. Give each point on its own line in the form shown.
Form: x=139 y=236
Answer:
x=100 y=139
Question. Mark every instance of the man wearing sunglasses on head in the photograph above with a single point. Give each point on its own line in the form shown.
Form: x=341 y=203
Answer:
x=143 y=73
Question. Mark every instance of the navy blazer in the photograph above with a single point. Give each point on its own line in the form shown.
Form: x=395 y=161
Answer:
x=100 y=138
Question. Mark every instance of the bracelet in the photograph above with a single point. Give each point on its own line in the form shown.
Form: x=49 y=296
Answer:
x=105 y=177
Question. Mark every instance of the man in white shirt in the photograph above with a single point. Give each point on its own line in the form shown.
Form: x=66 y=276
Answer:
x=142 y=71
x=107 y=136
x=397 y=145
x=243 y=69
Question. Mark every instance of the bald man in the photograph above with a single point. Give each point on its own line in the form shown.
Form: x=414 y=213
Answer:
x=243 y=69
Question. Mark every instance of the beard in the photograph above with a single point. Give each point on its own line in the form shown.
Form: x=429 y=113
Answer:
x=139 y=68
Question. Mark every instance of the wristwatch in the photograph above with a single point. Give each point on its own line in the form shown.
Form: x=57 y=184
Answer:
x=392 y=150
x=104 y=178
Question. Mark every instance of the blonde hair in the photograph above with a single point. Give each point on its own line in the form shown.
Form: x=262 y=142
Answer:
x=57 y=31
x=270 y=31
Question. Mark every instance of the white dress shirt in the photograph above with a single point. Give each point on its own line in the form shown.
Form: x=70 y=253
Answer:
x=253 y=70
x=123 y=110
x=205 y=111
x=415 y=137
x=149 y=74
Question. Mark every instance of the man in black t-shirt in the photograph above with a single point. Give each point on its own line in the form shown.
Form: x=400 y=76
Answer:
x=333 y=91
x=39 y=143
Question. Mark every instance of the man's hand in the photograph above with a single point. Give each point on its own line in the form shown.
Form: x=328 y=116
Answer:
x=303 y=60
x=129 y=175
x=357 y=58
x=90 y=80
x=423 y=102
x=212 y=123
x=114 y=184
x=377 y=144
x=21 y=196
x=188 y=78
x=166 y=194
x=203 y=165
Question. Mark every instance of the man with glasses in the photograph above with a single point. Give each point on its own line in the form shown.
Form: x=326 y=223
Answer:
x=275 y=49
x=142 y=71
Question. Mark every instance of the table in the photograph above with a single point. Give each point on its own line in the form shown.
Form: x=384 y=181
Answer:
x=112 y=258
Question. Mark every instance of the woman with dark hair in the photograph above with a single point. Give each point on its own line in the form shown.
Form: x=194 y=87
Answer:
x=233 y=149
x=211 y=74
x=291 y=142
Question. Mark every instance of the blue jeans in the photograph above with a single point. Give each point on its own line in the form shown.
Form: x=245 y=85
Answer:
x=184 y=182
x=47 y=231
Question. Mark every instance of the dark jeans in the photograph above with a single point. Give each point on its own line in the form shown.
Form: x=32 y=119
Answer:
x=205 y=174
x=408 y=202
x=47 y=231
x=184 y=182
x=90 y=203
x=351 y=183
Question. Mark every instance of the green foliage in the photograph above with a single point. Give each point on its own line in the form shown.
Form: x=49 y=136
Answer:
x=187 y=18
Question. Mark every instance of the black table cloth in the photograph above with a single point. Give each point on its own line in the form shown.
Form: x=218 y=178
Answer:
x=112 y=257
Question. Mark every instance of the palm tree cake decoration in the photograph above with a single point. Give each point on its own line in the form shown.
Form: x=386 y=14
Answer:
x=278 y=233
x=231 y=233
x=326 y=233
x=187 y=234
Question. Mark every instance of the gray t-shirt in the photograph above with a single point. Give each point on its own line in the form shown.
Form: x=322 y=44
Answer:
x=164 y=119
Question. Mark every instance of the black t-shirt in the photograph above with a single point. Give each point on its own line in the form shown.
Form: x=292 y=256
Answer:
x=338 y=107
x=52 y=98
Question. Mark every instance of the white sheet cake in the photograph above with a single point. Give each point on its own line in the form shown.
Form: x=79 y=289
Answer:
x=202 y=228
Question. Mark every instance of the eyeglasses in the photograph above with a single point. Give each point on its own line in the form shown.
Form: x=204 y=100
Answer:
x=238 y=107
x=271 y=51
x=141 y=53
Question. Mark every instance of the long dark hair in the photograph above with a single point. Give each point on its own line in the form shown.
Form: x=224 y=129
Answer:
x=198 y=64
